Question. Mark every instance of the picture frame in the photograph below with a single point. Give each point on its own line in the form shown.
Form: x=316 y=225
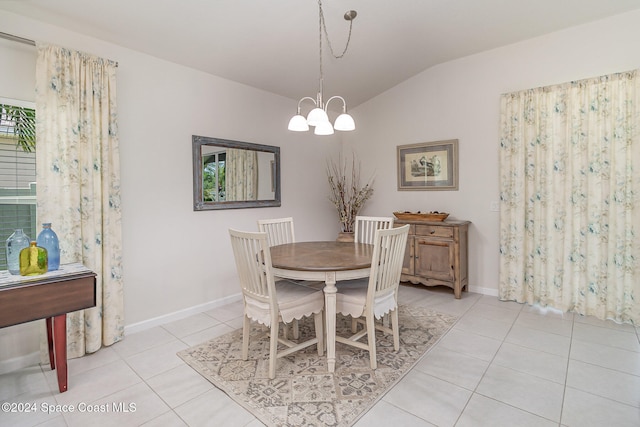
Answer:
x=428 y=166
x=273 y=176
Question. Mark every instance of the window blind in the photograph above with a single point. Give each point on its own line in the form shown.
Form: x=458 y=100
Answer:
x=17 y=174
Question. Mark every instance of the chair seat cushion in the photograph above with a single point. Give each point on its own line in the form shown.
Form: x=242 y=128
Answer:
x=294 y=302
x=351 y=299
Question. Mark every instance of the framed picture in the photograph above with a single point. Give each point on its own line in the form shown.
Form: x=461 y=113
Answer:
x=428 y=166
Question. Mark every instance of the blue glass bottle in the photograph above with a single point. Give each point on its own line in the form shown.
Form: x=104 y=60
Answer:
x=15 y=243
x=48 y=239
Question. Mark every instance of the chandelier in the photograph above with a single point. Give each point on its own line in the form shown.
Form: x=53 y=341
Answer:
x=318 y=117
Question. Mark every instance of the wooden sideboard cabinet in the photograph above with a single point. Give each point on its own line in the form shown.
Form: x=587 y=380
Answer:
x=437 y=254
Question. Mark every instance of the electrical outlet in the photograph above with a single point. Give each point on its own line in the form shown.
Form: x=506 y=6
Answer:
x=494 y=206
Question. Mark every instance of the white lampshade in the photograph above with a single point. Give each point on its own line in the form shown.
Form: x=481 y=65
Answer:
x=298 y=123
x=317 y=116
x=344 y=122
x=323 y=128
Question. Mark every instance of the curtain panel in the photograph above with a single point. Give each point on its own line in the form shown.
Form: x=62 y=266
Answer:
x=78 y=175
x=570 y=181
x=241 y=171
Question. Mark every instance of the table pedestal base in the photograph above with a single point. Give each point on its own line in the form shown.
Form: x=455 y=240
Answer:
x=330 y=310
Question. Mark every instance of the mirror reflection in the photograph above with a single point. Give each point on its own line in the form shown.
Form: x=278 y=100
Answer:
x=233 y=174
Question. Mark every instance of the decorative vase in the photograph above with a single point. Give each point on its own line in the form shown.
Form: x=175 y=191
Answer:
x=48 y=239
x=15 y=243
x=346 y=236
x=33 y=260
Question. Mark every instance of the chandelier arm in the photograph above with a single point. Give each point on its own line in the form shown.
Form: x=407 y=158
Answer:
x=344 y=103
x=302 y=99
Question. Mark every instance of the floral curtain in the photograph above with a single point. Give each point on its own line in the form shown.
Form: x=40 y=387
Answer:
x=241 y=169
x=570 y=181
x=78 y=175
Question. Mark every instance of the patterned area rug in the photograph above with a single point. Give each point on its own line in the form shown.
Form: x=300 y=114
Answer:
x=303 y=392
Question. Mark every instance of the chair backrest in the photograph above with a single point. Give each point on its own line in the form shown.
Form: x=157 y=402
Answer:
x=366 y=226
x=279 y=231
x=253 y=262
x=386 y=262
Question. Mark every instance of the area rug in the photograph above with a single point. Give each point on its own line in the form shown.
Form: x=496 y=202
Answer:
x=303 y=392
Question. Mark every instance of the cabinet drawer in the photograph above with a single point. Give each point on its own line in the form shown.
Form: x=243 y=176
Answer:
x=434 y=230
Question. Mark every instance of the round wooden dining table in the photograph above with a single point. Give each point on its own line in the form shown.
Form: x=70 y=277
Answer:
x=330 y=262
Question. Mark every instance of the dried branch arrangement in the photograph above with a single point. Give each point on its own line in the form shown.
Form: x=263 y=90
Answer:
x=347 y=194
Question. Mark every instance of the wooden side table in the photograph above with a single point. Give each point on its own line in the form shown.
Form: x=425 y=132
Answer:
x=48 y=296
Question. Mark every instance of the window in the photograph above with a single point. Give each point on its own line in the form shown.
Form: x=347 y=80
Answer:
x=17 y=171
x=213 y=177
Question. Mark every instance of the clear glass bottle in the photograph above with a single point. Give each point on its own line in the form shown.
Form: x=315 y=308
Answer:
x=48 y=239
x=33 y=260
x=15 y=243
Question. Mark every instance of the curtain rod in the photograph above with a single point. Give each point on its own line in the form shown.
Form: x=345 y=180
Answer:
x=17 y=39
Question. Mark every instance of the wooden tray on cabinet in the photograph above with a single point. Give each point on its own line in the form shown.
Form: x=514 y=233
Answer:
x=427 y=216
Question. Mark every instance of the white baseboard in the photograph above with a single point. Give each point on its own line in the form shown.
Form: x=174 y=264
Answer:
x=181 y=314
x=20 y=362
x=484 y=291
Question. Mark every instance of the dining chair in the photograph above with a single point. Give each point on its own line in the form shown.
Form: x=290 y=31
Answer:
x=279 y=231
x=380 y=295
x=364 y=232
x=365 y=227
x=270 y=303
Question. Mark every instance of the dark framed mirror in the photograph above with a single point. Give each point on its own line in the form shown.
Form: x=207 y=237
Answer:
x=231 y=174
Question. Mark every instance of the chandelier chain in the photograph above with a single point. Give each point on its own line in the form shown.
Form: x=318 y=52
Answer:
x=323 y=27
x=326 y=34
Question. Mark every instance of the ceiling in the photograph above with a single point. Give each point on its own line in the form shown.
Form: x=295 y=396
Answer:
x=273 y=44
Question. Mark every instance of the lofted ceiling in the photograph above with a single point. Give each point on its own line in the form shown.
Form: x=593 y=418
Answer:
x=273 y=44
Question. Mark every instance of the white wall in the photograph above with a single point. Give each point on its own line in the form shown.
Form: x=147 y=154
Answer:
x=461 y=100
x=175 y=258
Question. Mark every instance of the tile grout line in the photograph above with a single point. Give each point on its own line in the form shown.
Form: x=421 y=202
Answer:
x=566 y=375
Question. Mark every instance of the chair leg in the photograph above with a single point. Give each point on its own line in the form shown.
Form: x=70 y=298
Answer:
x=296 y=330
x=319 y=322
x=396 y=329
x=371 y=339
x=354 y=325
x=246 y=328
x=273 y=349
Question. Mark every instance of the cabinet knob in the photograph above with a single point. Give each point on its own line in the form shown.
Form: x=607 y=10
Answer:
x=432 y=231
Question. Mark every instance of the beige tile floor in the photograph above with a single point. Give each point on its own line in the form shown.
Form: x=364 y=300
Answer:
x=502 y=364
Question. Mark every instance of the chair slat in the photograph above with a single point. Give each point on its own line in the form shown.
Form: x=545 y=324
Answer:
x=279 y=231
x=366 y=226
